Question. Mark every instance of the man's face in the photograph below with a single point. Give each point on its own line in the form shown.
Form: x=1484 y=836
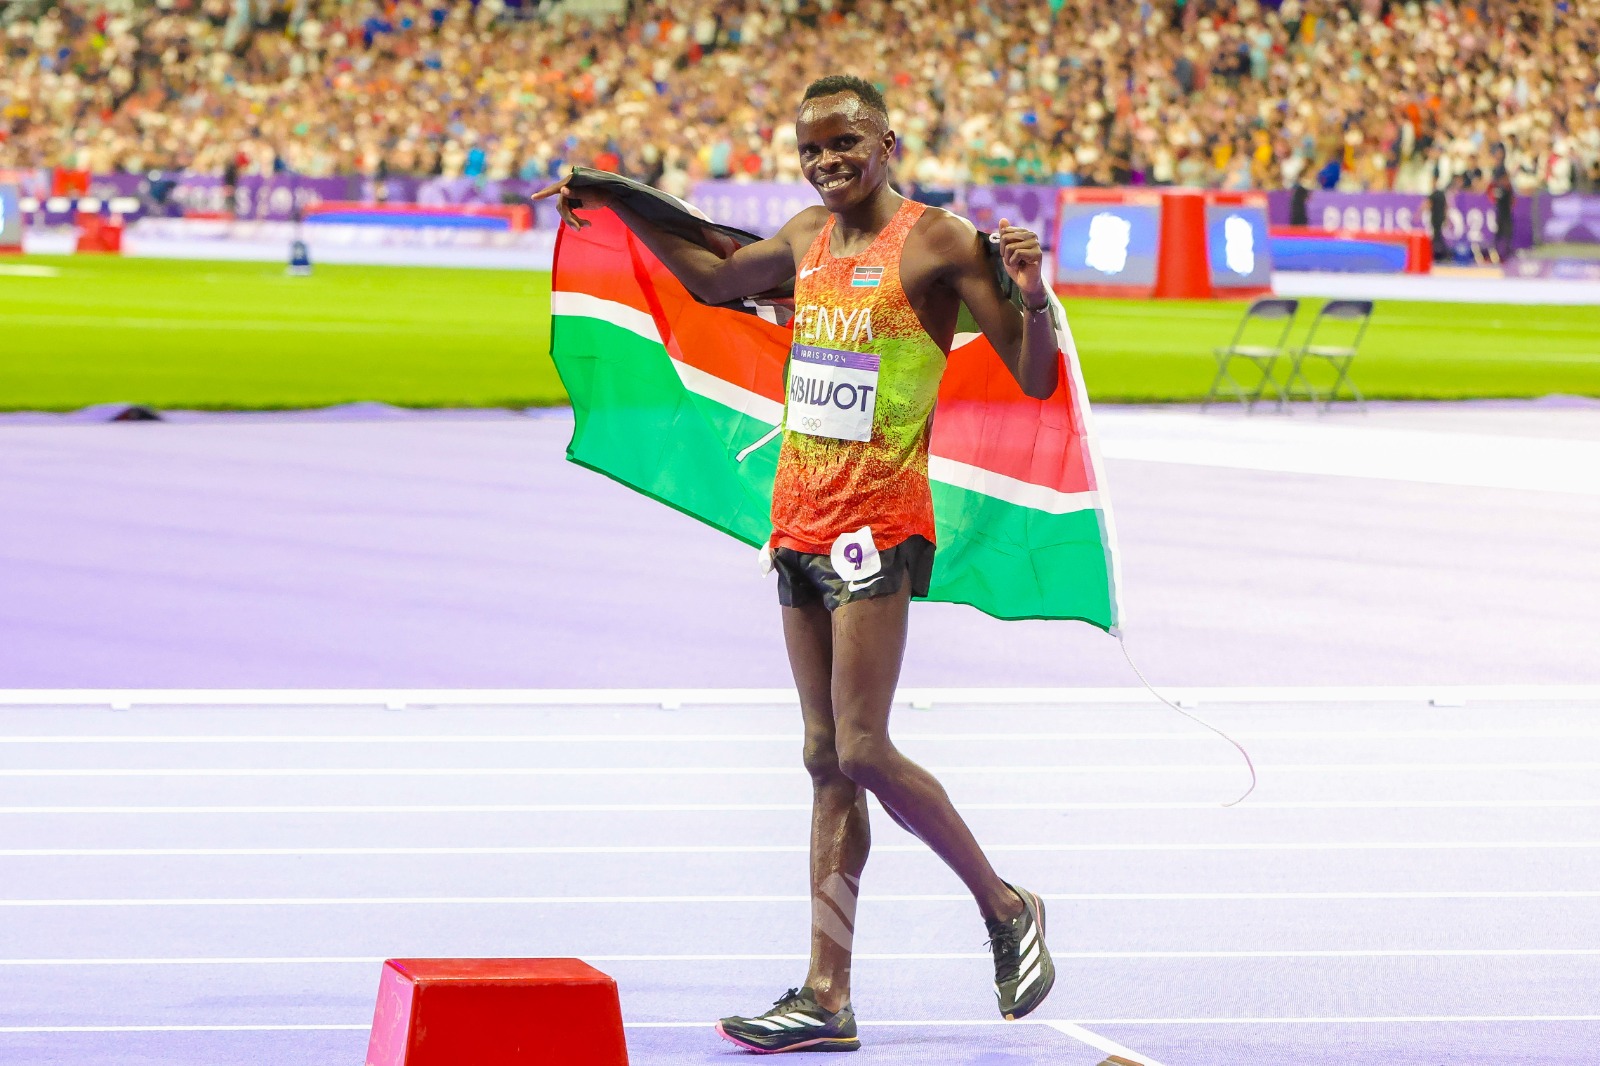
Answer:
x=844 y=148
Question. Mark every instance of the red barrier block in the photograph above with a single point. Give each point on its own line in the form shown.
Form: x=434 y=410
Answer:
x=1182 y=272
x=496 y=1012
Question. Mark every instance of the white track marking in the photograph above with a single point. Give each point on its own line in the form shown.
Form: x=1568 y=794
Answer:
x=796 y=849
x=1099 y=1043
x=730 y=898
x=785 y=697
x=928 y=897
x=649 y=808
x=611 y=739
x=1400 y=1019
x=365 y=1026
x=786 y=771
x=892 y=956
x=1295 y=447
x=347 y=1026
x=1052 y=847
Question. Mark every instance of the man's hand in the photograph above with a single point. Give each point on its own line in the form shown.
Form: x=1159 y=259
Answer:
x=1023 y=259
x=568 y=200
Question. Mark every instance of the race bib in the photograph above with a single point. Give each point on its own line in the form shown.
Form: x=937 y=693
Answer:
x=831 y=393
x=855 y=556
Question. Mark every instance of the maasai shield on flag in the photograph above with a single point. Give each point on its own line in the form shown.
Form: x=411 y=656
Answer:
x=683 y=401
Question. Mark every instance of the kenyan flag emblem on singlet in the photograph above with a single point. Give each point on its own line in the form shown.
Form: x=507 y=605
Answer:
x=866 y=277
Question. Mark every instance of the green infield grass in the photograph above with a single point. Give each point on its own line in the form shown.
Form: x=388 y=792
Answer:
x=183 y=334
x=187 y=334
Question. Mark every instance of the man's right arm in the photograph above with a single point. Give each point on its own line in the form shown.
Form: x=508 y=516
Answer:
x=752 y=269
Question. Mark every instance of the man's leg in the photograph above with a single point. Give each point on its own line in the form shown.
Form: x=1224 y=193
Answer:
x=869 y=641
x=840 y=837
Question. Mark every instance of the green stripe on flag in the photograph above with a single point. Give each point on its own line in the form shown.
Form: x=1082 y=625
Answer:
x=1016 y=562
x=638 y=424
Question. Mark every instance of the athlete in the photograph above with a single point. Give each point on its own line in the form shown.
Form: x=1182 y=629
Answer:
x=878 y=283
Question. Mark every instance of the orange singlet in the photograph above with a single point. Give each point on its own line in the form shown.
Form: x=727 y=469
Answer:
x=862 y=379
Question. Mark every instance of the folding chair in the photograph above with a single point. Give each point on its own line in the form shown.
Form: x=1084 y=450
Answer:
x=1338 y=356
x=1262 y=356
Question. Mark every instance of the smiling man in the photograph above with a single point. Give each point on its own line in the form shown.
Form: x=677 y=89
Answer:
x=878 y=284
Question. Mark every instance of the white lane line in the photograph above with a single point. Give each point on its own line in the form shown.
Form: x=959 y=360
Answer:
x=650 y=808
x=1443 y=458
x=1398 y=1019
x=1068 y=1029
x=1100 y=1043
x=786 y=771
x=795 y=849
x=610 y=901
x=785 y=697
x=366 y=1026
x=892 y=956
x=363 y=1026
x=1572 y=733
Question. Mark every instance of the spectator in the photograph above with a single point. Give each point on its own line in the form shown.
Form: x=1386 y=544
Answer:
x=1075 y=90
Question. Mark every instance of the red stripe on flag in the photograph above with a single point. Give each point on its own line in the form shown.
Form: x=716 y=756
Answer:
x=605 y=260
x=983 y=419
x=736 y=346
x=595 y=260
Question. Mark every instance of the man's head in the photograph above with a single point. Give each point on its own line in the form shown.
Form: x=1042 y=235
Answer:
x=844 y=139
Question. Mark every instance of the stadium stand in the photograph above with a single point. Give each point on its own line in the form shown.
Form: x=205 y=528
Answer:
x=1351 y=95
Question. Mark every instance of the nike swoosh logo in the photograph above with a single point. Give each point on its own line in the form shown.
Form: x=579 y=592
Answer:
x=807 y=273
x=857 y=586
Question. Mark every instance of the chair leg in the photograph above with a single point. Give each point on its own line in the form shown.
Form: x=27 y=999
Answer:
x=1268 y=381
x=1296 y=373
x=1216 y=381
x=1262 y=371
x=1234 y=388
x=1342 y=377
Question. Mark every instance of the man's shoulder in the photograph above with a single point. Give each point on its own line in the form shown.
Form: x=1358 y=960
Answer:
x=945 y=235
x=807 y=224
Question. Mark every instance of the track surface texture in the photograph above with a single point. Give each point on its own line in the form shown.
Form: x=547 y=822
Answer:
x=1431 y=544
x=1408 y=885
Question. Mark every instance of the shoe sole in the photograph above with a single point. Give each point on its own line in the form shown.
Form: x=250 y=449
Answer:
x=821 y=1043
x=1050 y=981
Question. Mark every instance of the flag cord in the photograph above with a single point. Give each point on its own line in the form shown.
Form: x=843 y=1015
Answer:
x=1123 y=644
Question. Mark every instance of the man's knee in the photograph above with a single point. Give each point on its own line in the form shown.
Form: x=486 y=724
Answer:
x=864 y=757
x=821 y=757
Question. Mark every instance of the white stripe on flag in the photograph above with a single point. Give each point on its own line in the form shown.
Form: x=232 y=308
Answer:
x=1010 y=489
x=728 y=394
x=582 y=305
x=697 y=381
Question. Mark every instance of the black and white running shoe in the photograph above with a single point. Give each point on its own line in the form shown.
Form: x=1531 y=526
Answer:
x=796 y=1022
x=1023 y=972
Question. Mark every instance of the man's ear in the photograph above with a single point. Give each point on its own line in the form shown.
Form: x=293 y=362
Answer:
x=889 y=142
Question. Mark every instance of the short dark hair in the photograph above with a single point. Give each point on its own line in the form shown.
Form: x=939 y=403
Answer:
x=863 y=90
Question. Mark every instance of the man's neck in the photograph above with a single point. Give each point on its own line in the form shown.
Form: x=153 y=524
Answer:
x=867 y=219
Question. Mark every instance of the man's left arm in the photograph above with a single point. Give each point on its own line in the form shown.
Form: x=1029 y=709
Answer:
x=1026 y=339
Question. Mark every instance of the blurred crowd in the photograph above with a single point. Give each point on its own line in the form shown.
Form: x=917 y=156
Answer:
x=1345 y=94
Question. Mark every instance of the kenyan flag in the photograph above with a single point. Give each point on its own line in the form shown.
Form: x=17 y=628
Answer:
x=681 y=401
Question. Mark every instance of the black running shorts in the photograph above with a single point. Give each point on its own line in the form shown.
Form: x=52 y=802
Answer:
x=805 y=578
